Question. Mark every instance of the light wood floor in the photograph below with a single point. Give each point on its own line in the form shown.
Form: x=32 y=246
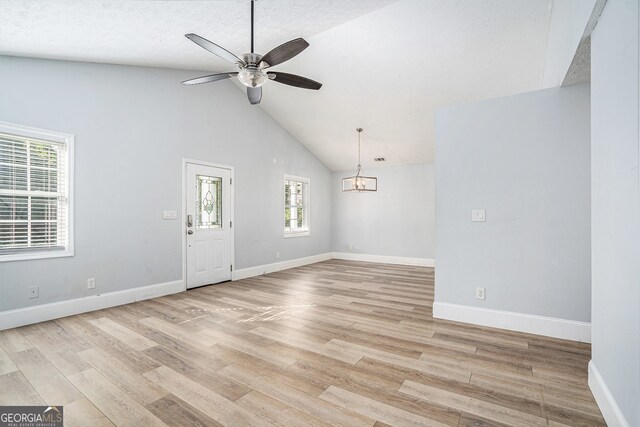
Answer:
x=334 y=343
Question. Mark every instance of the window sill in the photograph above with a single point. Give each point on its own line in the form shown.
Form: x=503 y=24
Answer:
x=290 y=234
x=35 y=255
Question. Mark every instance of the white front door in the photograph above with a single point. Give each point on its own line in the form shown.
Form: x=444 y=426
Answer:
x=208 y=224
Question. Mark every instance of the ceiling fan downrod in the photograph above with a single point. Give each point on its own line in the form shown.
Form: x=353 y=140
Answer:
x=252 y=1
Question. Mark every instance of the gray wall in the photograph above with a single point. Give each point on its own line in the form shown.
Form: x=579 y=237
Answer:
x=397 y=220
x=133 y=126
x=525 y=159
x=615 y=211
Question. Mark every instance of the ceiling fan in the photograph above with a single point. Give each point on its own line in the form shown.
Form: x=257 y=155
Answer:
x=253 y=67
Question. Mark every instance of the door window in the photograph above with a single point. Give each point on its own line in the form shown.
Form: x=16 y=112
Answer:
x=208 y=202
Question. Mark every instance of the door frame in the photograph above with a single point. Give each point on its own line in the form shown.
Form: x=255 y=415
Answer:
x=183 y=215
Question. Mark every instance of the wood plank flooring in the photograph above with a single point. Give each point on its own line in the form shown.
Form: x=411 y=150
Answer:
x=334 y=343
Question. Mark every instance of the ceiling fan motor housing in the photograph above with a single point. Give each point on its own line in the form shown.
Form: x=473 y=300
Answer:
x=253 y=59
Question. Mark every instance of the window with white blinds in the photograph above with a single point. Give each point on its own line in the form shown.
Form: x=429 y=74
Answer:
x=34 y=193
x=296 y=206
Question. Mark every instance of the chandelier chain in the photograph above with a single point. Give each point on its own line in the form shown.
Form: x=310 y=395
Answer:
x=359 y=148
x=359 y=130
x=358 y=182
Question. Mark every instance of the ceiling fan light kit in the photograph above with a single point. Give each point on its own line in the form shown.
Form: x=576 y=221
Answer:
x=253 y=67
x=252 y=77
x=359 y=183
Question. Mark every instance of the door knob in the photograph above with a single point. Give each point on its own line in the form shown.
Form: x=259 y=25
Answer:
x=189 y=232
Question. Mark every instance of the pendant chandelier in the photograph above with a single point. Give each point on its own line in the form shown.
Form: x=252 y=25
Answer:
x=359 y=182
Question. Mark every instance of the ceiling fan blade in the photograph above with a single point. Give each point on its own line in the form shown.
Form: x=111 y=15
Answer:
x=294 y=80
x=209 y=78
x=254 y=94
x=284 y=52
x=215 y=49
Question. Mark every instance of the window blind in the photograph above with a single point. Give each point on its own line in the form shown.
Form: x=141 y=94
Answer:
x=34 y=202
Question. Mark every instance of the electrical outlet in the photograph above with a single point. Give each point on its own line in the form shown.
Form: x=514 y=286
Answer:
x=33 y=292
x=91 y=283
x=480 y=293
x=350 y=247
x=278 y=255
x=478 y=215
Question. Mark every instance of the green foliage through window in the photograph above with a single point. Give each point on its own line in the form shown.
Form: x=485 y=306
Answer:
x=295 y=205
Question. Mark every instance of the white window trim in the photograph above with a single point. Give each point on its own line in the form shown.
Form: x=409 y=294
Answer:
x=307 y=203
x=47 y=135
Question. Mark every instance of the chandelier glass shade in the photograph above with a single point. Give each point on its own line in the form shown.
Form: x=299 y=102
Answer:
x=358 y=182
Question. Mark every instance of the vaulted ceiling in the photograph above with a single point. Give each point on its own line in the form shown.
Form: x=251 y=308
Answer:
x=386 y=65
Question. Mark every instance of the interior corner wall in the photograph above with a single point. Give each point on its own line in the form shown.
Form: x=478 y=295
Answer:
x=525 y=159
x=133 y=126
x=569 y=19
x=614 y=374
x=397 y=221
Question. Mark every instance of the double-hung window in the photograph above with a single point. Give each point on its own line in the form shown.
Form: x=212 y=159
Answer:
x=35 y=193
x=296 y=206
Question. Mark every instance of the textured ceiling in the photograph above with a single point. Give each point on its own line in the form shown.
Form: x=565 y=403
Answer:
x=152 y=32
x=386 y=65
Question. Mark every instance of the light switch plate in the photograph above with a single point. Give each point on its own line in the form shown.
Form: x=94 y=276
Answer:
x=170 y=214
x=478 y=215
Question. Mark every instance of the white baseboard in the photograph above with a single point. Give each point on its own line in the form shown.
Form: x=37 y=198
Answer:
x=259 y=270
x=40 y=313
x=384 y=259
x=610 y=410
x=559 y=328
x=55 y=310
x=529 y=323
